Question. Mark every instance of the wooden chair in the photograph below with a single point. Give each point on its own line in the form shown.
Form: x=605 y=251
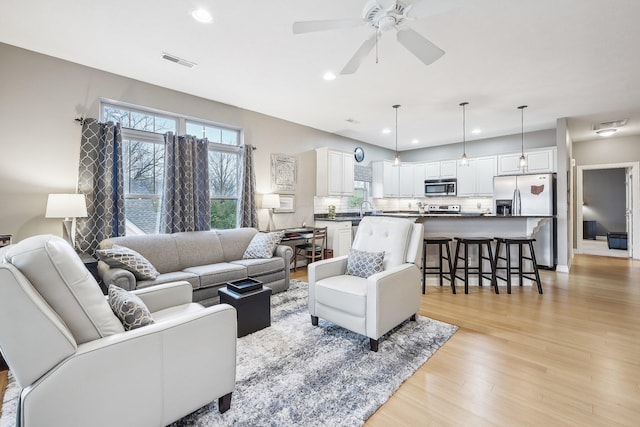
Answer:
x=313 y=248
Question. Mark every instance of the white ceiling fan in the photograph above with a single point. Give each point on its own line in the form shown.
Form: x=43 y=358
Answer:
x=382 y=16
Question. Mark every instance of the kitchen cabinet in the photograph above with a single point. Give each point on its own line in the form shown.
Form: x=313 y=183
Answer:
x=386 y=179
x=476 y=178
x=439 y=170
x=419 y=175
x=406 y=182
x=334 y=172
x=338 y=236
x=538 y=161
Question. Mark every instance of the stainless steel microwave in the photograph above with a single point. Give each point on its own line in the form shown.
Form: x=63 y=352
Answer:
x=440 y=187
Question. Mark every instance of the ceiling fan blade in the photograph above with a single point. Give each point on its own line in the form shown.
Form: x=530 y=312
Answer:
x=422 y=48
x=332 y=24
x=424 y=8
x=358 y=57
x=386 y=4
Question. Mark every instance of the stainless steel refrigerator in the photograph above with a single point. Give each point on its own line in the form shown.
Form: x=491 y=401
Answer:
x=531 y=195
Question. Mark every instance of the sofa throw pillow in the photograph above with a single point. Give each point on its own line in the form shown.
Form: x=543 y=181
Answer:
x=263 y=245
x=123 y=257
x=364 y=264
x=129 y=308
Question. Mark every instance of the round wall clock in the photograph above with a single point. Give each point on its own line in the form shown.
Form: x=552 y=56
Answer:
x=358 y=153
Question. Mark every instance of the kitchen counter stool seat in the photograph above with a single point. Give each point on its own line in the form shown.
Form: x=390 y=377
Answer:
x=521 y=242
x=438 y=269
x=482 y=243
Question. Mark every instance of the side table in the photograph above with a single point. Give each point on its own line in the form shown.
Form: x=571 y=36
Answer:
x=253 y=308
x=92 y=265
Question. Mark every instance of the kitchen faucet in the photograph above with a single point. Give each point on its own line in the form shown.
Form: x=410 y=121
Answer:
x=362 y=207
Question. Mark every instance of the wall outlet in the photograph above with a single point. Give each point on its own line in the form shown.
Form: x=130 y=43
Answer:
x=479 y=205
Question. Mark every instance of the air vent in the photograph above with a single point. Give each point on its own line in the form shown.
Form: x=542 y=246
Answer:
x=611 y=124
x=353 y=121
x=177 y=60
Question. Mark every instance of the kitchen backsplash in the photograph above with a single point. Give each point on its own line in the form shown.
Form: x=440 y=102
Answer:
x=467 y=204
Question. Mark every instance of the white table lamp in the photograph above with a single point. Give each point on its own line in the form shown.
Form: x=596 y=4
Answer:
x=271 y=202
x=69 y=207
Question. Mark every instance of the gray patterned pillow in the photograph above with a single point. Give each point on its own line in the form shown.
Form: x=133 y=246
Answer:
x=123 y=257
x=263 y=244
x=364 y=264
x=129 y=308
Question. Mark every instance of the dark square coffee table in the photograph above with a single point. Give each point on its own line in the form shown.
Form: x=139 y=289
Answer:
x=253 y=308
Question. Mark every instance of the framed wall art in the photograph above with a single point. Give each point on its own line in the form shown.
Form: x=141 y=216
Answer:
x=283 y=173
x=287 y=203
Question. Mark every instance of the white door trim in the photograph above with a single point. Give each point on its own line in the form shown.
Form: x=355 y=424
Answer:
x=634 y=248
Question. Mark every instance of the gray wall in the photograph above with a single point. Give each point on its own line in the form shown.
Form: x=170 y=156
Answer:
x=483 y=147
x=604 y=197
x=40 y=96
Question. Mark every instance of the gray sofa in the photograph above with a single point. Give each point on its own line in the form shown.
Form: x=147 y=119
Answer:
x=205 y=259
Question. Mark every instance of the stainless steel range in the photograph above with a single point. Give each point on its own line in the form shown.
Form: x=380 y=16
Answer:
x=443 y=209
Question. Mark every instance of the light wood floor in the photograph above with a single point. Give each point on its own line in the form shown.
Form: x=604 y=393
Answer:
x=570 y=357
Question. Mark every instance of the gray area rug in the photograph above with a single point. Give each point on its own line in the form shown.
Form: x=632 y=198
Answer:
x=295 y=374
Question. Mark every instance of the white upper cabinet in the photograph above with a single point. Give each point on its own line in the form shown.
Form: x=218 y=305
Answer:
x=476 y=178
x=334 y=172
x=538 y=161
x=448 y=169
x=406 y=182
x=419 y=175
x=443 y=169
x=386 y=179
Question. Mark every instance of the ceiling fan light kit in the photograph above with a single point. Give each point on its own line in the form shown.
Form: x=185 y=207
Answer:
x=609 y=128
x=382 y=16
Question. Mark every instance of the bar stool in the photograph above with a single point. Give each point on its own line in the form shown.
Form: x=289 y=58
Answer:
x=438 y=270
x=481 y=242
x=519 y=269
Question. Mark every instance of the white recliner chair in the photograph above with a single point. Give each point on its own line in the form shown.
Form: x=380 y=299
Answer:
x=374 y=305
x=78 y=367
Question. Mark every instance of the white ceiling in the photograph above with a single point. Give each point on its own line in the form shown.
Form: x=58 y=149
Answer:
x=564 y=58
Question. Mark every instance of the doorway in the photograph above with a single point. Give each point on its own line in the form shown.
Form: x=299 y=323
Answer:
x=607 y=197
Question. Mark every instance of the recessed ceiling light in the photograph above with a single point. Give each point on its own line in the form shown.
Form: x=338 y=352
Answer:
x=415 y=141
x=329 y=76
x=202 y=15
x=476 y=131
x=606 y=132
x=386 y=131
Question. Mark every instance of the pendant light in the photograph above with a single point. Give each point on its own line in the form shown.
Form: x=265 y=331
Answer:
x=463 y=160
x=523 y=159
x=396 y=160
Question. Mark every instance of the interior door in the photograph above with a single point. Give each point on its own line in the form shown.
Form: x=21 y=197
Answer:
x=629 y=209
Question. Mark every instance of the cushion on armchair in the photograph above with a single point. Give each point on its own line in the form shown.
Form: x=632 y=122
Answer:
x=132 y=312
x=364 y=264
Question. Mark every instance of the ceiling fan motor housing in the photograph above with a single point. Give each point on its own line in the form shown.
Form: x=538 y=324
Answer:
x=384 y=19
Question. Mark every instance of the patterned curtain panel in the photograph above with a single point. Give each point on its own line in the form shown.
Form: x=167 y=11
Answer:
x=248 y=212
x=186 y=205
x=100 y=180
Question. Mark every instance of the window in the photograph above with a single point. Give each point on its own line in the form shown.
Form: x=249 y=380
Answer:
x=143 y=163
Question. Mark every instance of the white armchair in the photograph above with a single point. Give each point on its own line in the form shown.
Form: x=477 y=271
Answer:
x=374 y=305
x=78 y=367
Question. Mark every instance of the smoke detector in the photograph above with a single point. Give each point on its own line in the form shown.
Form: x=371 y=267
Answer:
x=609 y=128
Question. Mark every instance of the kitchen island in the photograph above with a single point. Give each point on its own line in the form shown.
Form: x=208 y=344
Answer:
x=540 y=227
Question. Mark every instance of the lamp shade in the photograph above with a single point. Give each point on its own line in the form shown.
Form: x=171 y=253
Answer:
x=66 y=206
x=270 y=201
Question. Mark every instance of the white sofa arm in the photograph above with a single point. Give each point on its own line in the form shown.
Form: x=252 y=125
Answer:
x=327 y=268
x=392 y=297
x=167 y=295
x=147 y=376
